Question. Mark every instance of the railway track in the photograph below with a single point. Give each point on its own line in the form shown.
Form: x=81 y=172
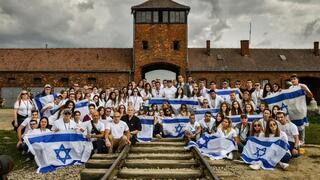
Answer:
x=159 y=159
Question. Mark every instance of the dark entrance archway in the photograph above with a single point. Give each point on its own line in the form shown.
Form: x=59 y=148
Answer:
x=162 y=69
x=313 y=84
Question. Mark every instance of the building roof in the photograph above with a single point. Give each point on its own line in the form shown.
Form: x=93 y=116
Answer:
x=160 y=4
x=66 y=59
x=259 y=60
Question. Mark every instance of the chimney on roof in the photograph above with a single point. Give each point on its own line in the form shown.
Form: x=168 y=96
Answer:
x=208 y=48
x=245 y=51
x=316 y=48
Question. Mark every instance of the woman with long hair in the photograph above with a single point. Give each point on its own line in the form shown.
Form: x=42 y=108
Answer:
x=102 y=98
x=22 y=109
x=123 y=98
x=218 y=121
x=136 y=99
x=235 y=108
x=256 y=129
x=184 y=110
x=78 y=95
x=248 y=109
x=267 y=90
x=180 y=94
x=146 y=93
x=224 y=109
x=112 y=101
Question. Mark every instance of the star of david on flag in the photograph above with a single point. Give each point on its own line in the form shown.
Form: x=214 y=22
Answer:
x=63 y=153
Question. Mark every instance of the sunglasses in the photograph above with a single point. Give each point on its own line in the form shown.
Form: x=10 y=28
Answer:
x=108 y=111
x=116 y=116
x=257 y=125
x=67 y=113
x=273 y=124
x=257 y=85
x=205 y=102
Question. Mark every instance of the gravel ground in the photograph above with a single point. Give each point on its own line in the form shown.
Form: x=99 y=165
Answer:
x=71 y=172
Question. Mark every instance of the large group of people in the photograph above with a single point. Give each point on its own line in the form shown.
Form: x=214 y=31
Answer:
x=113 y=118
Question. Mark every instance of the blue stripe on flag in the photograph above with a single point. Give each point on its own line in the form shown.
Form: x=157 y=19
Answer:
x=248 y=160
x=300 y=122
x=38 y=103
x=203 y=111
x=172 y=121
x=145 y=139
x=279 y=142
x=57 y=138
x=53 y=167
x=157 y=101
x=146 y=121
x=280 y=97
x=182 y=101
x=82 y=104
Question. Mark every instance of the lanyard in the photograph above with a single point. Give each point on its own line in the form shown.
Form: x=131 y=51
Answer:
x=66 y=126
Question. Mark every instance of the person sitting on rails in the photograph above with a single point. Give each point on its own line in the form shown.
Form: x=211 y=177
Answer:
x=117 y=134
x=133 y=123
x=192 y=129
x=95 y=131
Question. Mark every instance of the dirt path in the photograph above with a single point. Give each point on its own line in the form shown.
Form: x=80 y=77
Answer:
x=6 y=116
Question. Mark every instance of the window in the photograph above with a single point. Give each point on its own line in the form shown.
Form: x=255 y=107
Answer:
x=138 y=17
x=155 y=16
x=11 y=80
x=177 y=17
x=165 y=15
x=172 y=16
x=143 y=17
x=145 y=45
x=37 y=80
x=148 y=17
x=176 y=45
x=182 y=17
x=92 y=80
x=64 y=81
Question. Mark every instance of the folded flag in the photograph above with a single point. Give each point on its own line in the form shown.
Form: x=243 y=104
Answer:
x=266 y=151
x=212 y=146
x=174 y=127
x=55 y=150
x=293 y=102
x=146 y=132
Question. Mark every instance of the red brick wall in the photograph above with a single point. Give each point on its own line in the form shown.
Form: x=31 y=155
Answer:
x=103 y=80
x=160 y=38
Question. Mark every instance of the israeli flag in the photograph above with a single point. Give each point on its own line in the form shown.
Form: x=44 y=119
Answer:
x=266 y=151
x=236 y=118
x=212 y=146
x=225 y=93
x=82 y=106
x=157 y=101
x=40 y=101
x=174 y=127
x=55 y=150
x=199 y=113
x=293 y=102
x=175 y=103
x=146 y=133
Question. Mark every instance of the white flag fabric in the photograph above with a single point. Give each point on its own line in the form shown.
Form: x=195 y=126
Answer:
x=266 y=151
x=146 y=133
x=293 y=102
x=174 y=127
x=175 y=103
x=236 y=118
x=82 y=106
x=55 y=150
x=199 y=113
x=40 y=101
x=213 y=146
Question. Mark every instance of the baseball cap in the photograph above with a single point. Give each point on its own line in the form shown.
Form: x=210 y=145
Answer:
x=47 y=86
x=67 y=111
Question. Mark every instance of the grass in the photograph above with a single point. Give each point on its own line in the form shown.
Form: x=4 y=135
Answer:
x=313 y=130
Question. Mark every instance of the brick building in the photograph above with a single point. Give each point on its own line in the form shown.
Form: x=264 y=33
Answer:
x=160 y=41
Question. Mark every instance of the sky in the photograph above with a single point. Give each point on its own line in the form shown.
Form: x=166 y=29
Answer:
x=109 y=23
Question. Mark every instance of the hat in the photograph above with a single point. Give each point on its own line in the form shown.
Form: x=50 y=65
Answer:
x=67 y=111
x=47 y=86
x=243 y=116
x=212 y=91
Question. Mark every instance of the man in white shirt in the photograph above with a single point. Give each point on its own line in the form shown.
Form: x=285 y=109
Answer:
x=25 y=125
x=192 y=129
x=117 y=134
x=32 y=124
x=157 y=92
x=214 y=100
x=207 y=123
x=65 y=123
x=291 y=131
x=170 y=90
x=295 y=83
x=257 y=94
x=95 y=131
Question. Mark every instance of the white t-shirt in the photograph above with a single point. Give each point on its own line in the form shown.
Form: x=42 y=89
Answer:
x=136 y=102
x=59 y=124
x=26 y=124
x=39 y=131
x=105 y=122
x=169 y=92
x=87 y=126
x=117 y=130
x=192 y=127
x=215 y=103
x=223 y=133
x=23 y=107
x=290 y=129
x=207 y=126
x=158 y=93
x=283 y=136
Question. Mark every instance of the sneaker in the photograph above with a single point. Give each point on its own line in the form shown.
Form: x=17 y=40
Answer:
x=283 y=165
x=230 y=156
x=158 y=136
x=255 y=166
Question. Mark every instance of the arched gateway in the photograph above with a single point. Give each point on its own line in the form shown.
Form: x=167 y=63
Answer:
x=160 y=70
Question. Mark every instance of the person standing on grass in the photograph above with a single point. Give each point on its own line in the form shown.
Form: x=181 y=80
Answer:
x=22 y=109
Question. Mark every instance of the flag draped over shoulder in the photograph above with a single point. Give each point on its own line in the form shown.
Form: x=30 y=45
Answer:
x=212 y=146
x=266 y=151
x=54 y=150
x=174 y=127
x=146 y=132
x=293 y=102
x=225 y=93
x=40 y=101
x=199 y=113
